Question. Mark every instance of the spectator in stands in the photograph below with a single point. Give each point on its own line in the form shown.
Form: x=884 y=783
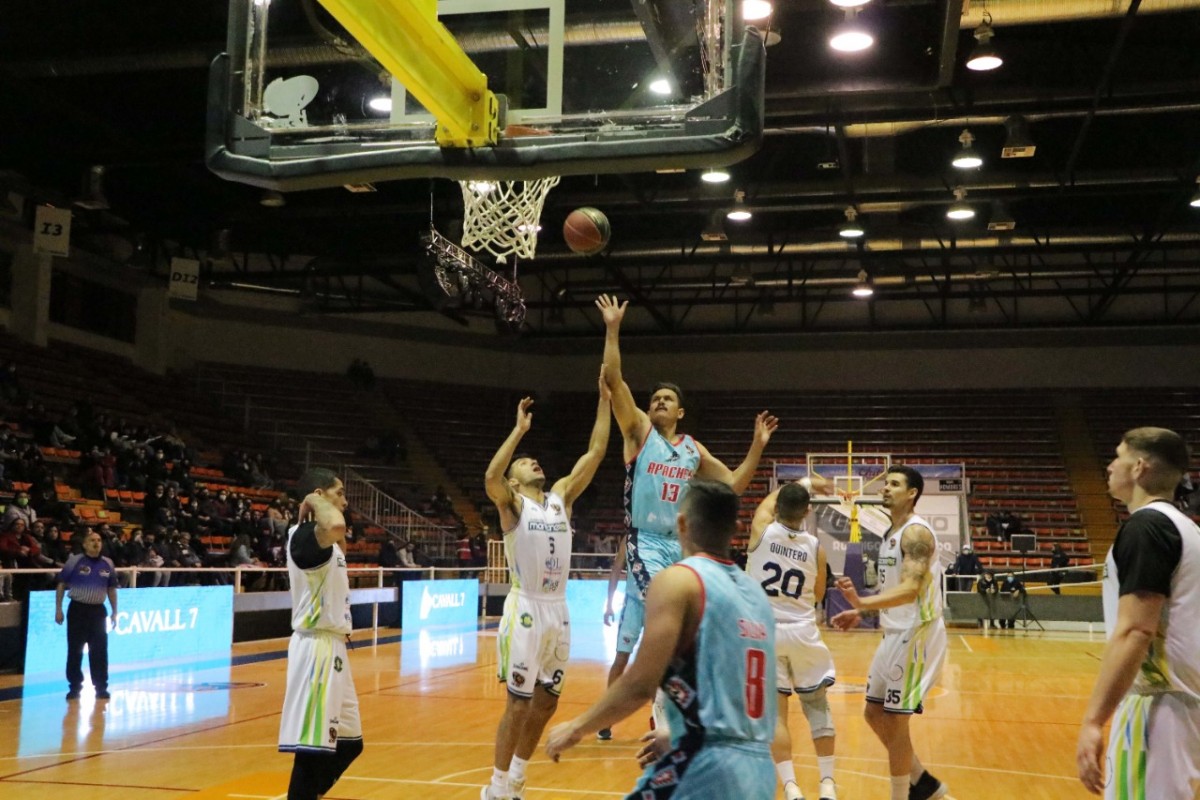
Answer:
x=156 y=468
x=419 y=557
x=277 y=518
x=988 y=588
x=1003 y=525
x=1058 y=559
x=59 y=435
x=479 y=548
x=54 y=546
x=135 y=550
x=216 y=510
x=155 y=499
x=1012 y=589
x=19 y=508
x=462 y=549
x=11 y=390
x=965 y=564
x=181 y=476
x=155 y=559
x=184 y=556
x=18 y=550
x=47 y=504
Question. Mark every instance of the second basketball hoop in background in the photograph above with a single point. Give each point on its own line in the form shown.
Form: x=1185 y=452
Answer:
x=586 y=231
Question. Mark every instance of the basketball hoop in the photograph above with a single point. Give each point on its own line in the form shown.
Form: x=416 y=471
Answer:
x=503 y=217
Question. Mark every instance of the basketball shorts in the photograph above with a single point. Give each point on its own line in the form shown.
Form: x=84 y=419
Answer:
x=743 y=771
x=534 y=643
x=906 y=666
x=648 y=554
x=633 y=619
x=320 y=705
x=1154 y=748
x=802 y=661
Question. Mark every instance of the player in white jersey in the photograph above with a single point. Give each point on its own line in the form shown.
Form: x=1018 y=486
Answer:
x=320 y=721
x=909 y=659
x=789 y=563
x=534 y=640
x=1150 y=671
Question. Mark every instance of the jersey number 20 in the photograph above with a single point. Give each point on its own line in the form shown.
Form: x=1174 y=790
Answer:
x=791 y=583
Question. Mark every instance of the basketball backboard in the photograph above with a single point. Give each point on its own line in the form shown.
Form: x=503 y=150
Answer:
x=583 y=86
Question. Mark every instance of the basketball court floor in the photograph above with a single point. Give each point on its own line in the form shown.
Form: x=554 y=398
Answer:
x=1001 y=725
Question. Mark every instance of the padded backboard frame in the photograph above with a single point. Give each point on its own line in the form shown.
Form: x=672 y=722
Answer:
x=718 y=125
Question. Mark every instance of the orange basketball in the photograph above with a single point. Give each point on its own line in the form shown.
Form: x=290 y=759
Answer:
x=586 y=231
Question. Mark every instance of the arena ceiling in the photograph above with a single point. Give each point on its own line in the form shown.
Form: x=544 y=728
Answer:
x=1101 y=228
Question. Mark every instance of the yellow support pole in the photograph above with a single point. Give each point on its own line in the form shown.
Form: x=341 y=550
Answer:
x=855 y=531
x=407 y=39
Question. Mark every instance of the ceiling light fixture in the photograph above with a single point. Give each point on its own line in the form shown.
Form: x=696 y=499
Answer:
x=851 y=36
x=851 y=228
x=756 y=9
x=1195 y=201
x=740 y=211
x=849 y=3
x=960 y=210
x=381 y=104
x=985 y=56
x=863 y=289
x=967 y=158
x=715 y=175
x=660 y=86
x=272 y=199
x=1018 y=143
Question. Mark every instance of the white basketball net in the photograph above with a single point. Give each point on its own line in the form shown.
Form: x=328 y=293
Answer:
x=502 y=216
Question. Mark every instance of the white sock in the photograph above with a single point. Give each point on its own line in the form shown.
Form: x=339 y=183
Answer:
x=516 y=769
x=786 y=771
x=825 y=765
x=917 y=770
x=900 y=786
x=499 y=781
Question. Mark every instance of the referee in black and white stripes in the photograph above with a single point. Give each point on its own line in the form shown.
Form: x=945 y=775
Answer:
x=88 y=578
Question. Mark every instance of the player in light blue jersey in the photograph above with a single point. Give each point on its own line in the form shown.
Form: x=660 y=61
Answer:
x=659 y=462
x=713 y=656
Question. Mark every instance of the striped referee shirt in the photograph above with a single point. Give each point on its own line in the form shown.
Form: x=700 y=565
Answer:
x=88 y=579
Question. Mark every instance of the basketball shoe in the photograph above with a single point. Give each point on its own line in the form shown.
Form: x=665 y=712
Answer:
x=927 y=787
x=828 y=789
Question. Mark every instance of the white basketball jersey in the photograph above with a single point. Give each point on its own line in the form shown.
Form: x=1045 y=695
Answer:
x=538 y=548
x=928 y=605
x=1172 y=663
x=785 y=564
x=321 y=595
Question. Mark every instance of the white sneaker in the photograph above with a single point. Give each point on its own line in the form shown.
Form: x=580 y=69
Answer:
x=486 y=794
x=792 y=792
x=516 y=789
x=828 y=789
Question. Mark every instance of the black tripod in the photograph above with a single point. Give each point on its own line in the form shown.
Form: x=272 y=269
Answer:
x=1024 y=544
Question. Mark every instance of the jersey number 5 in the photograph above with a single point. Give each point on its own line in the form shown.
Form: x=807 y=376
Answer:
x=670 y=492
x=756 y=673
x=791 y=583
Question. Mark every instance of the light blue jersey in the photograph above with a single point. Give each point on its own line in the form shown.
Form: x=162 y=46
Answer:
x=722 y=692
x=655 y=483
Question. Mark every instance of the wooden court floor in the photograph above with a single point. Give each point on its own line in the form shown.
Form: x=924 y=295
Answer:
x=1002 y=725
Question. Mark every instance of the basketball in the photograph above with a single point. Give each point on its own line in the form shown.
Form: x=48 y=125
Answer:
x=586 y=231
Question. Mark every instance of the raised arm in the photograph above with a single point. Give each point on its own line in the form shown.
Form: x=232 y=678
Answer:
x=494 y=483
x=764 y=515
x=570 y=487
x=632 y=421
x=919 y=549
x=331 y=522
x=712 y=468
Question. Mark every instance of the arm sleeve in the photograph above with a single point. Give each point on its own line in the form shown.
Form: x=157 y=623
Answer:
x=1147 y=551
x=304 y=548
x=64 y=575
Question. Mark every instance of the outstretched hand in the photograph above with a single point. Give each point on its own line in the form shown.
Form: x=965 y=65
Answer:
x=846 y=620
x=764 y=426
x=611 y=311
x=562 y=737
x=524 y=415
